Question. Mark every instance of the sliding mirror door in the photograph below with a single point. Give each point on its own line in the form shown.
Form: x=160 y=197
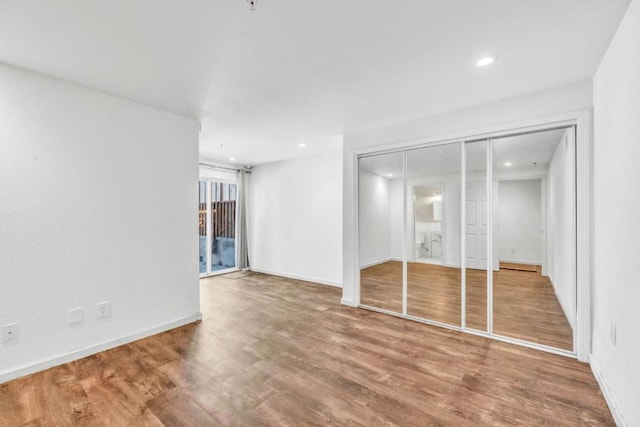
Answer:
x=380 y=229
x=433 y=233
x=476 y=220
x=534 y=235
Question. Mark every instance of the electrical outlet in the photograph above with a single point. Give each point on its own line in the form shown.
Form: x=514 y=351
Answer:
x=76 y=316
x=9 y=332
x=104 y=309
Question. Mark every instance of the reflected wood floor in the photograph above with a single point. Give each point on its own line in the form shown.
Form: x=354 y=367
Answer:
x=525 y=305
x=281 y=352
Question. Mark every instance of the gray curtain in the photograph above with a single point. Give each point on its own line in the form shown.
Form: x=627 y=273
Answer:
x=241 y=238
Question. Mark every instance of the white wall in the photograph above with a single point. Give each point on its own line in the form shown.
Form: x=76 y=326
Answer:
x=528 y=108
x=616 y=226
x=98 y=201
x=295 y=218
x=374 y=223
x=561 y=224
x=520 y=221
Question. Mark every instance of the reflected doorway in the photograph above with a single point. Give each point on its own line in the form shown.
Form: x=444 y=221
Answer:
x=427 y=206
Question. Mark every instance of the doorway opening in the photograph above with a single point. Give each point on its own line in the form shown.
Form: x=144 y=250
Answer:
x=427 y=201
x=217 y=225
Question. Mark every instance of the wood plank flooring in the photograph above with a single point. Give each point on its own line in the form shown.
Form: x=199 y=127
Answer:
x=525 y=305
x=281 y=352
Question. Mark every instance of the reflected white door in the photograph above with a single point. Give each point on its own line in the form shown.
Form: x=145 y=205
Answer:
x=477 y=225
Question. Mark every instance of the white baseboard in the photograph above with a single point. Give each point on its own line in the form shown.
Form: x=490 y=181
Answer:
x=298 y=277
x=450 y=265
x=519 y=261
x=348 y=302
x=62 y=358
x=376 y=262
x=609 y=397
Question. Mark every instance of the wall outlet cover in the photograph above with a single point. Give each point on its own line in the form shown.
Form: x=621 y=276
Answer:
x=9 y=332
x=76 y=316
x=103 y=309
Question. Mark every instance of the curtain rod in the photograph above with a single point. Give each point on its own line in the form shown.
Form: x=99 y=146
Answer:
x=219 y=167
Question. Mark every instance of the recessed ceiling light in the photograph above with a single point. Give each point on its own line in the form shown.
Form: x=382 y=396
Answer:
x=483 y=62
x=389 y=175
x=507 y=164
x=302 y=145
x=233 y=159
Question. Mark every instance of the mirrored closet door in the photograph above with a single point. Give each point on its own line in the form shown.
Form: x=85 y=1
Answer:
x=380 y=230
x=433 y=238
x=476 y=235
x=534 y=235
x=476 y=221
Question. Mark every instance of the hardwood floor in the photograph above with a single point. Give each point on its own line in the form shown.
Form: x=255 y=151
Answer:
x=273 y=351
x=525 y=304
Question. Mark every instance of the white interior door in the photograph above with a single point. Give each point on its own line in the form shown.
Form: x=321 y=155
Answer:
x=477 y=224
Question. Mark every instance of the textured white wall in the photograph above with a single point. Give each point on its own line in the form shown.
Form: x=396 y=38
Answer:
x=98 y=201
x=296 y=218
x=616 y=226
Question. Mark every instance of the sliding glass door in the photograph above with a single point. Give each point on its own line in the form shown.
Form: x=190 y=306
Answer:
x=217 y=225
x=477 y=235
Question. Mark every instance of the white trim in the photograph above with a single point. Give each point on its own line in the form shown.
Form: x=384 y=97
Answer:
x=584 y=234
x=477 y=332
x=495 y=131
x=219 y=272
x=519 y=261
x=405 y=289
x=348 y=302
x=62 y=358
x=463 y=235
x=490 y=234
x=315 y=280
x=609 y=397
x=377 y=262
x=355 y=230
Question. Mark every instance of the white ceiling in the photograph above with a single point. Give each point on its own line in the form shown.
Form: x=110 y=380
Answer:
x=534 y=150
x=299 y=71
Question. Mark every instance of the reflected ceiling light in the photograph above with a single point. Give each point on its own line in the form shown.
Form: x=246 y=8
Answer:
x=507 y=164
x=438 y=197
x=483 y=62
x=302 y=145
x=389 y=175
x=233 y=159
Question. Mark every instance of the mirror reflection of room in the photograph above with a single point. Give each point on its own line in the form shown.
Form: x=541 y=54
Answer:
x=534 y=237
x=433 y=272
x=428 y=230
x=380 y=226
